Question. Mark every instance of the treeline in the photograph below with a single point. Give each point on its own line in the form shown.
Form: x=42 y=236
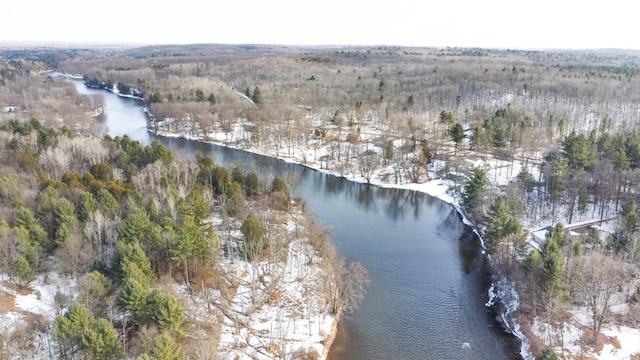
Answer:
x=509 y=104
x=107 y=84
x=124 y=220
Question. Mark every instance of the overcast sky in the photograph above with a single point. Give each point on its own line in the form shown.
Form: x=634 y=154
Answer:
x=541 y=24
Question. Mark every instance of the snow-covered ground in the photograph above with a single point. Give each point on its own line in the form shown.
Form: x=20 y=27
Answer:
x=622 y=342
x=278 y=309
x=36 y=305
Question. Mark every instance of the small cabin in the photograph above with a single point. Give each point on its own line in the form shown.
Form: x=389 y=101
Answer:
x=473 y=162
x=540 y=235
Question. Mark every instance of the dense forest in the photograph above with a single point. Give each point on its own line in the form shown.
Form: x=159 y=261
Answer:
x=562 y=123
x=149 y=239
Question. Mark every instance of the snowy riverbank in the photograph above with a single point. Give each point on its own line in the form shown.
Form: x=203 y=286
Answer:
x=502 y=295
x=443 y=189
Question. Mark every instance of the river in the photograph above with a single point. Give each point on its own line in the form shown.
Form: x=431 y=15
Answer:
x=429 y=278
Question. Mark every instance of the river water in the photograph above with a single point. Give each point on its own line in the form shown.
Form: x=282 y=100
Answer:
x=428 y=289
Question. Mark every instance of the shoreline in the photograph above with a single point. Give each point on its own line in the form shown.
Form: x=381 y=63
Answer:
x=507 y=323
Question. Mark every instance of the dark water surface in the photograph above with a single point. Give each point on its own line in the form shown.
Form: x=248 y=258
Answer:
x=428 y=289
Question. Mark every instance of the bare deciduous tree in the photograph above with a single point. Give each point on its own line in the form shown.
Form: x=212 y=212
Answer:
x=600 y=287
x=345 y=287
x=74 y=255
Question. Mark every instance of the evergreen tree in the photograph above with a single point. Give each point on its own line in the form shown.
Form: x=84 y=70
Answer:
x=632 y=149
x=190 y=245
x=457 y=134
x=553 y=261
x=163 y=348
x=24 y=218
x=200 y=97
x=130 y=252
x=473 y=188
x=156 y=151
x=277 y=184
x=28 y=248
x=211 y=99
x=251 y=184
x=220 y=180
x=54 y=210
x=580 y=151
x=101 y=340
x=556 y=176
x=548 y=354
x=280 y=193
x=235 y=199
x=253 y=243
x=79 y=331
x=107 y=202
x=134 y=295
x=30 y=230
x=168 y=314
x=257 y=96
x=447 y=117
x=86 y=205
x=500 y=223
x=194 y=206
x=137 y=227
x=102 y=171
x=68 y=329
x=22 y=271
x=630 y=216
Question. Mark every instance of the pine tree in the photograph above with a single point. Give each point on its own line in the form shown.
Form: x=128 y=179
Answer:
x=107 y=202
x=86 y=205
x=500 y=223
x=168 y=314
x=211 y=99
x=79 y=331
x=457 y=134
x=133 y=253
x=580 y=151
x=253 y=243
x=190 y=244
x=163 y=348
x=195 y=206
x=137 y=227
x=257 y=96
x=473 y=188
x=548 y=354
x=22 y=271
x=67 y=329
x=101 y=340
x=251 y=184
x=552 y=261
x=134 y=294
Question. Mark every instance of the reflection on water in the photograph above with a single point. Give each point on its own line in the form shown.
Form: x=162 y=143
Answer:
x=428 y=276
x=396 y=203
